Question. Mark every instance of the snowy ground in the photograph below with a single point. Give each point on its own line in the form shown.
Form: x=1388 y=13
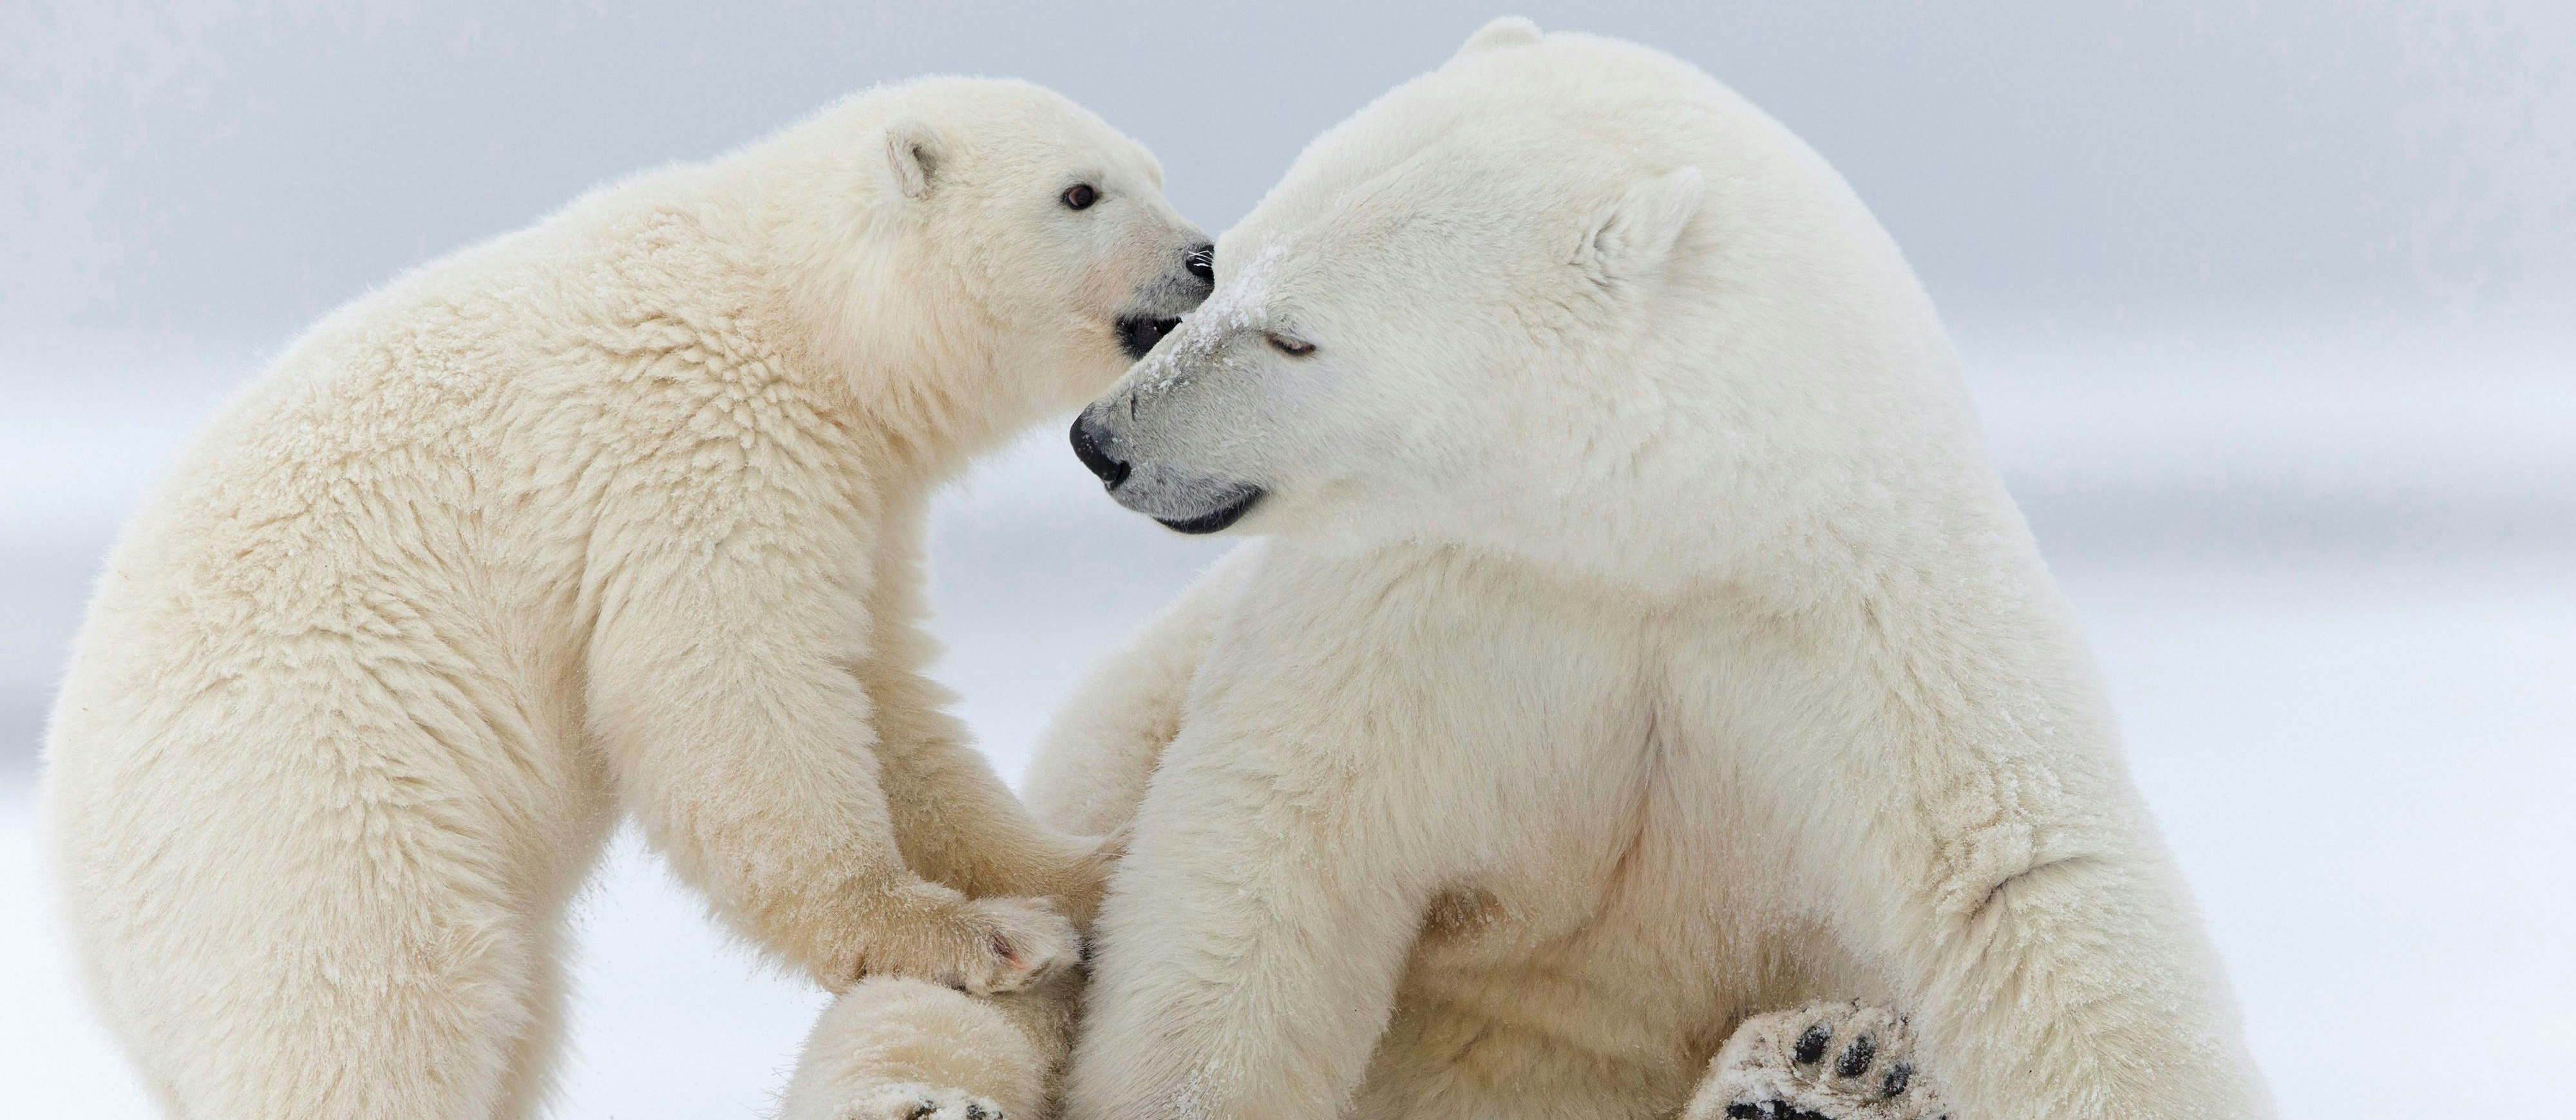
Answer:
x=2332 y=580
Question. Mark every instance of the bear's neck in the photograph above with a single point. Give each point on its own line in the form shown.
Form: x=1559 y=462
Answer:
x=894 y=349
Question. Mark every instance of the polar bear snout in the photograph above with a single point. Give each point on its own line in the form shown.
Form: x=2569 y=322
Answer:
x=1182 y=500
x=1160 y=303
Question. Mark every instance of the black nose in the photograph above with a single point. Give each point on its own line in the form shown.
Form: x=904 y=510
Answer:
x=1086 y=447
x=1202 y=263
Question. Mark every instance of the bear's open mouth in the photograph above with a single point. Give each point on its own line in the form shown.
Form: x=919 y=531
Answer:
x=1138 y=333
x=1235 y=504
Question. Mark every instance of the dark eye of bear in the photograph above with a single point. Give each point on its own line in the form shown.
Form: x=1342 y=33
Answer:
x=1080 y=196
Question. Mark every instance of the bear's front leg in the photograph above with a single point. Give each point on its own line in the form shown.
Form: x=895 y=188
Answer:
x=2000 y=882
x=723 y=698
x=1247 y=957
x=1344 y=757
x=956 y=822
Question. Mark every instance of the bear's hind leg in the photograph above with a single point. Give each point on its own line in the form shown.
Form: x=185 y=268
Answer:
x=1822 y=1061
x=529 y=1083
x=408 y=1020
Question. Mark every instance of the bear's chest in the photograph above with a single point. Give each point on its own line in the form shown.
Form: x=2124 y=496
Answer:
x=1601 y=950
x=1628 y=877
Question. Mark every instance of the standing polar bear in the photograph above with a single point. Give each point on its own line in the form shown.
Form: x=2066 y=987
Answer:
x=620 y=514
x=1642 y=655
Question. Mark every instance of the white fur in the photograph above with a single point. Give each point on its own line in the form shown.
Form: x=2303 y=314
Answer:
x=619 y=514
x=1643 y=642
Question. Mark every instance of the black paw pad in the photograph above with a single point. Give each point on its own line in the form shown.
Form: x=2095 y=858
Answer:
x=1899 y=1076
x=1743 y=1110
x=1856 y=1060
x=1811 y=1045
x=921 y=1110
x=979 y=1112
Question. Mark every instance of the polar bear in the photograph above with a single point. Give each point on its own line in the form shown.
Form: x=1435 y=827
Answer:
x=1644 y=700
x=618 y=515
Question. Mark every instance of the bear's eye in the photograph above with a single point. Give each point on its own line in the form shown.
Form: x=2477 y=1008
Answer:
x=1080 y=196
x=1294 y=348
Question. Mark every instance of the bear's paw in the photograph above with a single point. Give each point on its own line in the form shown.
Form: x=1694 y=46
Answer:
x=906 y=1100
x=1823 y=1061
x=1017 y=942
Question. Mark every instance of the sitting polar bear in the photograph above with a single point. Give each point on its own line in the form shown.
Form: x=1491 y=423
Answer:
x=1642 y=646
x=621 y=514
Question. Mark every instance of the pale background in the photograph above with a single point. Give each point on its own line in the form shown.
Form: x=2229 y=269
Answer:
x=2267 y=305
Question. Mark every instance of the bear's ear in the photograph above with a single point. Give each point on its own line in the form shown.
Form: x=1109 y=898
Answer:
x=1631 y=238
x=912 y=155
x=1508 y=31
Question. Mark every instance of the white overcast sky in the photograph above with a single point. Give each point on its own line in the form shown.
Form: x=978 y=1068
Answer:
x=223 y=173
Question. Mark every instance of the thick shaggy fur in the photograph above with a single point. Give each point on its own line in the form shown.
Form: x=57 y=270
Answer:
x=1642 y=643
x=619 y=514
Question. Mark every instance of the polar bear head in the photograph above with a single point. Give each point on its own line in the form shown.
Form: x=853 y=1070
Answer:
x=970 y=227
x=1563 y=297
